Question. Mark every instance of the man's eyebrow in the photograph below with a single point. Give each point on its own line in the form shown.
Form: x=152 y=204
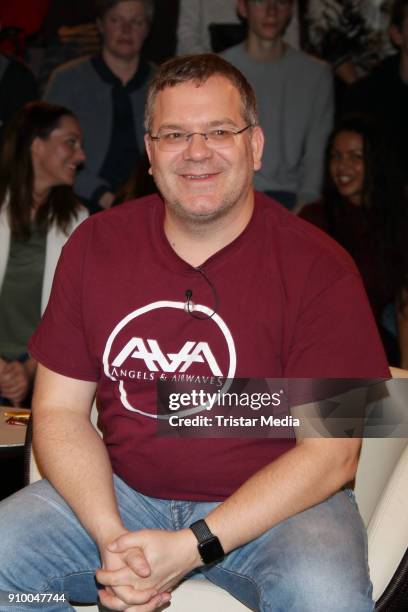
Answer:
x=224 y=121
x=209 y=124
x=170 y=126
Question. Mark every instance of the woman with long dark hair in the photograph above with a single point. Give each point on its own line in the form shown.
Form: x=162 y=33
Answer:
x=41 y=151
x=364 y=207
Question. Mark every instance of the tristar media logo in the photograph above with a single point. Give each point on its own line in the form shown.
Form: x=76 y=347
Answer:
x=131 y=359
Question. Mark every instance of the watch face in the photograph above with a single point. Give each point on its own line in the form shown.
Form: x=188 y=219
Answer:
x=211 y=550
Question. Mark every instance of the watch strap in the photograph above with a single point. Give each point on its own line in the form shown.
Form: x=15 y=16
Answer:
x=201 y=531
x=209 y=546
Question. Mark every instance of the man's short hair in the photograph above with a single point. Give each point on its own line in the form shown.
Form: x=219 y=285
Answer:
x=399 y=12
x=103 y=6
x=198 y=69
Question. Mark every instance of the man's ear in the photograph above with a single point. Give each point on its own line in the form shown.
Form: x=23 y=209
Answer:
x=395 y=35
x=242 y=8
x=148 y=145
x=257 y=144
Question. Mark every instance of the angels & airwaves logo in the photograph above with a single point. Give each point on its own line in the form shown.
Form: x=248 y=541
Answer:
x=149 y=352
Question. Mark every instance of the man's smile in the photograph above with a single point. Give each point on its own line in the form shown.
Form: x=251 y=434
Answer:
x=200 y=177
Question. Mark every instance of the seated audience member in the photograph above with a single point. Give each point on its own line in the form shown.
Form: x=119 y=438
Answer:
x=384 y=93
x=107 y=93
x=295 y=100
x=17 y=86
x=42 y=150
x=365 y=209
x=69 y=31
x=196 y=17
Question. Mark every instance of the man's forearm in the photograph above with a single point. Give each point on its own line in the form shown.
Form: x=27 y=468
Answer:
x=297 y=480
x=74 y=459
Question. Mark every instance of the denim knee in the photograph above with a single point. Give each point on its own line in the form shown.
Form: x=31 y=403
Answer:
x=315 y=587
x=42 y=541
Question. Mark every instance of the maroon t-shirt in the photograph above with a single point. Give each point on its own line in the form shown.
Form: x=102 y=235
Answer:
x=290 y=304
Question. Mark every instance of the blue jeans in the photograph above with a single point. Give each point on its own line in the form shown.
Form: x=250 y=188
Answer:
x=315 y=561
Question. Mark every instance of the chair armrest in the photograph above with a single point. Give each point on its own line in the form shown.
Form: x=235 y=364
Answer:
x=388 y=528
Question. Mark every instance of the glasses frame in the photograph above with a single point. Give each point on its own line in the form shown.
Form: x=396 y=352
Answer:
x=188 y=136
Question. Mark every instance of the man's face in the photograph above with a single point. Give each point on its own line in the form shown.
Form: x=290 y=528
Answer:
x=200 y=182
x=400 y=35
x=267 y=19
x=124 y=29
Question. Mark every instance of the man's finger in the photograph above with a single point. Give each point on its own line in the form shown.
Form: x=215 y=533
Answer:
x=157 y=602
x=129 y=595
x=124 y=576
x=113 y=602
x=136 y=560
x=110 y=601
x=124 y=542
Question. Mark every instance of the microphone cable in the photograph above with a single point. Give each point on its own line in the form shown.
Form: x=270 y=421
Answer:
x=190 y=305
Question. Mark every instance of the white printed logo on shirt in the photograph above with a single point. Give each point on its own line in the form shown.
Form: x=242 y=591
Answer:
x=149 y=362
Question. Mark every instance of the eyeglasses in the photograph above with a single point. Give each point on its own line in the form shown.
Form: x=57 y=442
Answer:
x=215 y=139
x=277 y=3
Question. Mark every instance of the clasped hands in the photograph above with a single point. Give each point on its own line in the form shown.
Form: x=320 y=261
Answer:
x=140 y=569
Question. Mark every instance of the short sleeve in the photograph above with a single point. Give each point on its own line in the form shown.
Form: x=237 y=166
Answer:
x=335 y=335
x=60 y=341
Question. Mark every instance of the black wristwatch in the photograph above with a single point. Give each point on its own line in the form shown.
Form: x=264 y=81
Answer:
x=209 y=546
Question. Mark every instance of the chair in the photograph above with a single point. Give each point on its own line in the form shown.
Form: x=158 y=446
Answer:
x=381 y=489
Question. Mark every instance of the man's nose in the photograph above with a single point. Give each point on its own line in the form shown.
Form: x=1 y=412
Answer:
x=197 y=148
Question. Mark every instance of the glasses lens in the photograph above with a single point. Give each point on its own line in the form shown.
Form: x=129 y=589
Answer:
x=172 y=141
x=219 y=139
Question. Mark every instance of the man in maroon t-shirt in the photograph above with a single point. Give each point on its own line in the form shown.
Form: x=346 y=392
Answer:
x=211 y=282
